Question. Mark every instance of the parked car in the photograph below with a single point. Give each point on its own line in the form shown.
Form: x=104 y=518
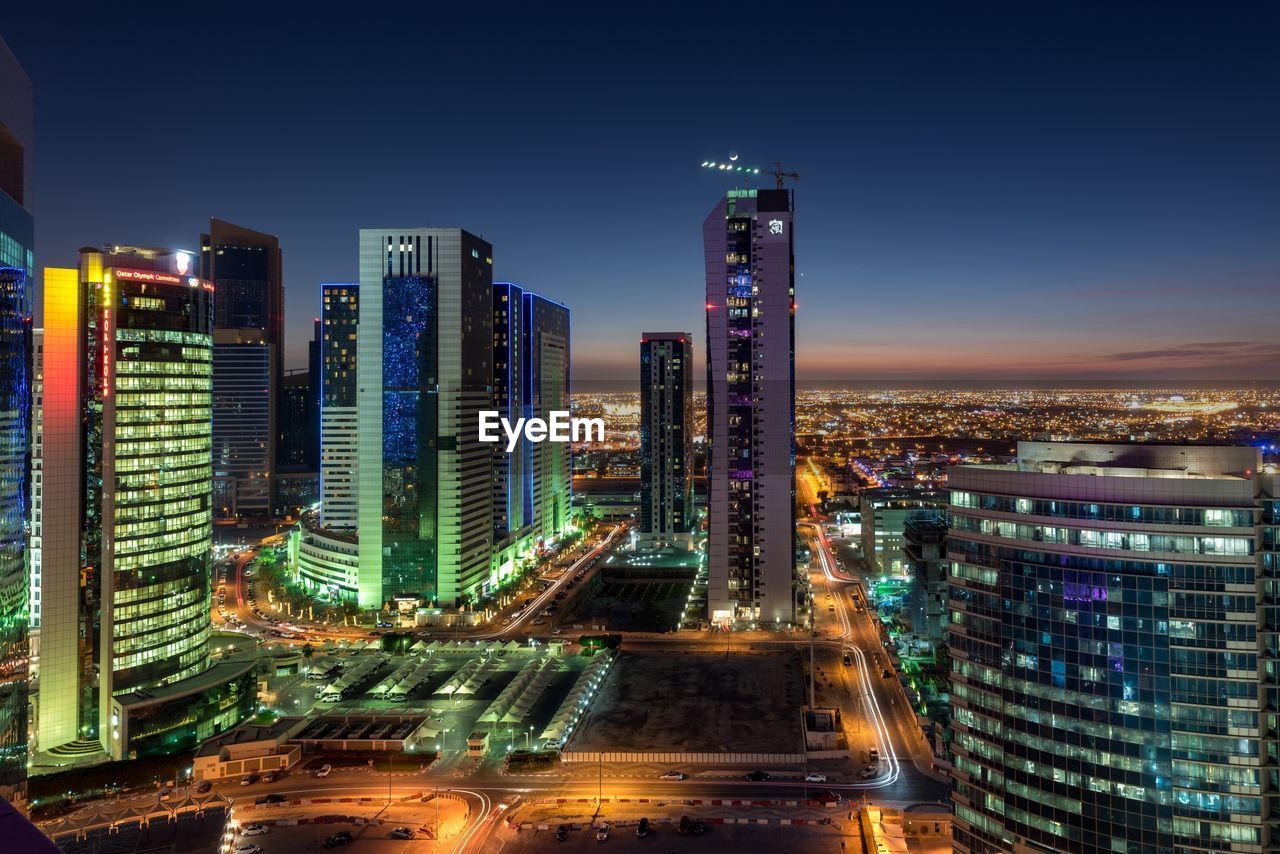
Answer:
x=324 y=771
x=813 y=777
x=342 y=837
x=275 y=798
x=758 y=776
x=269 y=777
x=874 y=756
x=166 y=793
x=562 y=832
x=602 y=832
x=204 y=786
x=248 y=779
x=402 y=833
x=254 y=830
x=248 y=848
x=642 y=829
x=826 y=798
x=869 y=772
x=674 y=776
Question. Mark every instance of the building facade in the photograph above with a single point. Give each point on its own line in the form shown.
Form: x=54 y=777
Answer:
x=246 y=267
x=425 y=369
x=548 y=466
x=924 y=550
x=509 y=480
x=128 y=509
x=885 y=511
x=750 y=302
x=1113 y=650
x=339 y=321
x=17 y=233
x=666 y=438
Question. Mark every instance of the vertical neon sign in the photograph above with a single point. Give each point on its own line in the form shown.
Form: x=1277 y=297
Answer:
x=106 y=336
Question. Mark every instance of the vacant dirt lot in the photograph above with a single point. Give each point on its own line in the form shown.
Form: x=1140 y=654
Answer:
x=697 y=702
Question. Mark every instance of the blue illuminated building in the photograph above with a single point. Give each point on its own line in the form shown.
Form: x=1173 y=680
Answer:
x=16 y=240
x=1113 y=642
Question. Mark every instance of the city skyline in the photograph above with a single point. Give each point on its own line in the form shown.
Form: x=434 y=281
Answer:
x=1036 y=175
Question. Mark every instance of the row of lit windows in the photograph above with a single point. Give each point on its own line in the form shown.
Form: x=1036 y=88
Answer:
x=176 y=369
x=197 y=395
x=193 y=650
x=161 y=384
x=126 y=564
x=124 y=596
x=165 y=476
x=197 y=532
x=162 y=493
x=1089 y=538
x=178 y=430
x=164 y=336
x=163 y=601
x=142 y=630
x=1138 y=514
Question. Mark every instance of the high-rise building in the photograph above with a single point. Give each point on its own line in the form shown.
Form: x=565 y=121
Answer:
x=924 y=549
x=339 y=322
x=666 y=438
x=246 y=267
x=36 y=536
x=751 y=407
x=884 y=518
x=16 y=241
x=1114 y=650
x=508 y=399
x=548 y=466
x=425 y=371
x=125 y=667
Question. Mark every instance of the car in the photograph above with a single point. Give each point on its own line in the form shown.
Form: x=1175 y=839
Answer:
x=642 y=829
x=886 y=673
x=402 y=833
x=758 y=776
x=562 y=832
x=826 y=798
x=166 y=793
x=538 y=622
x=204 y=786
x=248 y=848
x=276 y=798
x=254 y=830
x=383 y=624
x=674 y=775
x=324 y=771
x=342 y=837
x=869 y=772
x=874 y=756
x=813 y=777
x=269 y=777
x=248 y=779
x=603 y=831
x=847 y=660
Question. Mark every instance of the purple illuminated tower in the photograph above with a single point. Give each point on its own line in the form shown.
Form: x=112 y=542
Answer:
x=751 y=393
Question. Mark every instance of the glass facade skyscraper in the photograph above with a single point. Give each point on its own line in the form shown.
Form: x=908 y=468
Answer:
x=128 y=435
x=339 y=322
x=666 y=440
x=751 y=516
x=16 y=241
x=246 y=268
x=1112 y=650
x=548 y=466
x=425 y=370
x=508 y=399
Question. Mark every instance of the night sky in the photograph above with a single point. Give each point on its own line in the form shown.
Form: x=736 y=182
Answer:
x=1086 y=191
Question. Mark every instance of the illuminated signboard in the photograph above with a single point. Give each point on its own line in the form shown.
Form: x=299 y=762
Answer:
x=148 y=276
x=108 y=340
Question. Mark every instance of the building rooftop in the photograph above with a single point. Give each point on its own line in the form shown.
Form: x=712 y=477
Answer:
x=249 y=733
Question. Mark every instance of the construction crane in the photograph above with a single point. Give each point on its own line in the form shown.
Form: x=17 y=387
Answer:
x=732 y=166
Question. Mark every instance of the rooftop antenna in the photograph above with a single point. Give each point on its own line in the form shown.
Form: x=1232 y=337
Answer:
x=732 y=166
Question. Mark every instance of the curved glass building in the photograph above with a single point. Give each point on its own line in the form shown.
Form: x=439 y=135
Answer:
x=128 y=443
x=1113 y=650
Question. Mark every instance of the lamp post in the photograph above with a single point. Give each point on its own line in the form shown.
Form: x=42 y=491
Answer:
x=527 y=736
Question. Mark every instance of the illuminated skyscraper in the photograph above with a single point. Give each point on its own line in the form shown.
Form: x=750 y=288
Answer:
x=751 y=407
x=666 y=440
x=339 y=322
x=246 y=268
x=425 y=371
x=16 y=240
x=1113 y=641
x=548 y=466
x=508 y=399
x=128 y=512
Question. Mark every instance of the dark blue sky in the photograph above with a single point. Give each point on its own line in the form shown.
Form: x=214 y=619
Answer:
x=1031 y=190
